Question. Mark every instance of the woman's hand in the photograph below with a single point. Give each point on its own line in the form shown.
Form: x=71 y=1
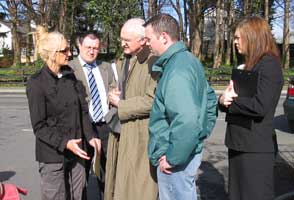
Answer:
x=73 y=146
x=228 y=95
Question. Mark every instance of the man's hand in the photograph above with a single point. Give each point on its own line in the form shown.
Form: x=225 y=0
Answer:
x=96 y=143
x=114 y=96
x=164 y=166
x=73 y=146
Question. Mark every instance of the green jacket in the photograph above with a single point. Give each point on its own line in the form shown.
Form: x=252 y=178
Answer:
x=184 y=110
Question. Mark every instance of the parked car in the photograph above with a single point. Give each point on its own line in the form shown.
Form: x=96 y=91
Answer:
x=289 y=104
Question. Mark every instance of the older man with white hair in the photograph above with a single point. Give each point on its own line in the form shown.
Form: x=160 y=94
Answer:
x=129 y=173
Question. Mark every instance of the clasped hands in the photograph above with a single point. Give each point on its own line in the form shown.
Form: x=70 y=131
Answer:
x=113 y=96
x=228 y=95
x=73 y=146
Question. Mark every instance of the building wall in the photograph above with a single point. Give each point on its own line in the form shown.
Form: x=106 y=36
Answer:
x=5 y=42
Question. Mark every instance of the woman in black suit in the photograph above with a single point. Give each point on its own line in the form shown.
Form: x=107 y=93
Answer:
x=60 y=120
x=251 y=140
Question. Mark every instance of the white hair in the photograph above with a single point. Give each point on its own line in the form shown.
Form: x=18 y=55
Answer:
x=135 y=25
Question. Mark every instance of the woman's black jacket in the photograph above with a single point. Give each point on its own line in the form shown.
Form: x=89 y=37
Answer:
x=58 y=113
x=260 y=136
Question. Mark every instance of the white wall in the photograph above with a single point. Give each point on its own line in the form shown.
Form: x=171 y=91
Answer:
x=6 y=41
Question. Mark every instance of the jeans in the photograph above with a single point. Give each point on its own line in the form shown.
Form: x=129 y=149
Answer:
x=181 y=184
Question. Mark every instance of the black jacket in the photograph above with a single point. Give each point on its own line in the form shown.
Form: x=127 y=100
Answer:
x=259 y=109
x=58 y=113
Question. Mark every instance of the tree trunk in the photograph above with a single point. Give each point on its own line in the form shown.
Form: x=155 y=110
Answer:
x=185 y=19
x=62 y=16
x=230 y=33
x=71 y=27
x=177 y=8
x=16 y=47
x=218 y=47
x=266 y=10
x=152 y=8
x=195 y=17
x=286 y=36
x=28 y=42
x=247 y=7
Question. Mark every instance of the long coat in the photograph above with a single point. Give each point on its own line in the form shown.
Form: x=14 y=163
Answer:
x=129 y=174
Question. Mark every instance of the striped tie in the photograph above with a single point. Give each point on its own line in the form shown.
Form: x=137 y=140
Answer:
x=96 y=101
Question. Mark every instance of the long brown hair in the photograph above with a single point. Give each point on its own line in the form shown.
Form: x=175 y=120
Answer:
x=257 y=39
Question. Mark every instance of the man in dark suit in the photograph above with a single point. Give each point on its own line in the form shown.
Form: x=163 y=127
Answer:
x=98 y=78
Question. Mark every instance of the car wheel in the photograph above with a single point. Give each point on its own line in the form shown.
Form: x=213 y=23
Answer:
x=291 y=125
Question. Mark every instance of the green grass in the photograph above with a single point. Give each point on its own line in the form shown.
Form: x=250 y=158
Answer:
x=218 y=77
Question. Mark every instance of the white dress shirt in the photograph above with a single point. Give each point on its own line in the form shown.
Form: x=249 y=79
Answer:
x=100 y=86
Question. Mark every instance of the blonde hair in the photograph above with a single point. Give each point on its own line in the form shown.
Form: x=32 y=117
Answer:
x=46 y=44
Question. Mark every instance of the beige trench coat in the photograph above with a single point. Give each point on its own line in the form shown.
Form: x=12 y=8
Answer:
x=129 y=174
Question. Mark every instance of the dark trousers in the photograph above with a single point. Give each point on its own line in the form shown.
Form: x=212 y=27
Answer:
x=251 y=176
x=102 y=130
x=63 y=181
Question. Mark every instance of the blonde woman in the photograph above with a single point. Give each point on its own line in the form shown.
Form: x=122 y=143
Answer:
x=60 y=120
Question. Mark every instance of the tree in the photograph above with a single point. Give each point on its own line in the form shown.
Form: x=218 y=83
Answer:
x=195 y=17
x=266 y=10
x=11 y=8
x=230 y=33
x=177 y=7
x=286 y=35
x=219 y=34
x=110 y=24
x=152 y=8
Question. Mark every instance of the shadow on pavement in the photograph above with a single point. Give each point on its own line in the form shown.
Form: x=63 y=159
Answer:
x=284 y=171
x=211 y=183
x=6 y=175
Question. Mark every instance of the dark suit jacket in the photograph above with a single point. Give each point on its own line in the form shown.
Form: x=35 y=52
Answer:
x=58 y=113
x=105 y=70
x=260 y=136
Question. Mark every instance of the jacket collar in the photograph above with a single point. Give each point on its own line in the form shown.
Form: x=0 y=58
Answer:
x=159 y=65
x=64 y=70
x=141 y=56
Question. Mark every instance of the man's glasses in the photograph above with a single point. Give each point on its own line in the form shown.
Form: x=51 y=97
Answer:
x=129 y=40
x=91 y=48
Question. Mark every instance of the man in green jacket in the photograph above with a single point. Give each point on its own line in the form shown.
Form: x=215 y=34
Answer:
x=183 y=113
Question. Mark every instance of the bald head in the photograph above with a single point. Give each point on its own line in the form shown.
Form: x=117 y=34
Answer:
x=132 y=36
x=135 y=25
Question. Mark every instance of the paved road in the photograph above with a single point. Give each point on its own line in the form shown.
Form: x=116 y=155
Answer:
x=18 y=165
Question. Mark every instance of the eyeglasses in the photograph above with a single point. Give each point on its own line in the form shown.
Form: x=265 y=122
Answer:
x=67 y=49
x=129 y=40
x=91 y=48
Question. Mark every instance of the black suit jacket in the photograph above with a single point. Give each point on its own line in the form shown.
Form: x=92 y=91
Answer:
x=58 y=113
x=260 y=109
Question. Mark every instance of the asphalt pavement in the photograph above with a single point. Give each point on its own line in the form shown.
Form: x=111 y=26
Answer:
x=18 y=163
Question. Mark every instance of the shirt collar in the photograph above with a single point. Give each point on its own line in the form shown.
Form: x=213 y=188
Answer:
x=83 y=63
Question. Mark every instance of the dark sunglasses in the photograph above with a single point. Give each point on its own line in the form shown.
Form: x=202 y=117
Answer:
x=67 y=49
